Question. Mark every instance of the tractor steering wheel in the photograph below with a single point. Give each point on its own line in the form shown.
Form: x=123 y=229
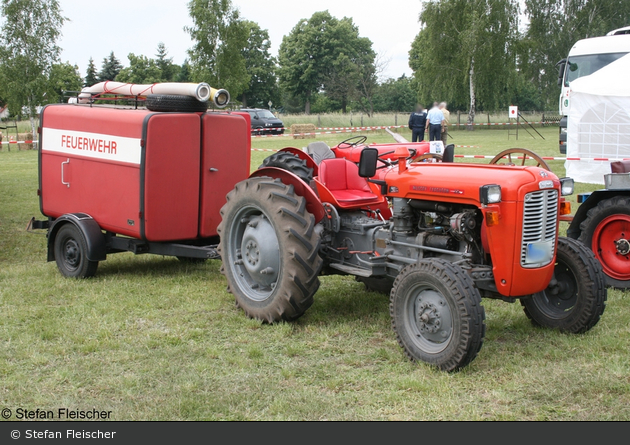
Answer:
x=348 y=144
x=389 y=162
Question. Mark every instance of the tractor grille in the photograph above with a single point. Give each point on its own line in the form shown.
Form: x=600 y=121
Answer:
x=540 y=220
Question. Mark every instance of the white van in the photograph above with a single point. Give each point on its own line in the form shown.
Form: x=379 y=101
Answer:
x=586 y=57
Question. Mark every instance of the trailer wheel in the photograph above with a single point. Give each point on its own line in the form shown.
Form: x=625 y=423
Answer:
x=269 y=250
x=174 y=102
x=606 y=230
x=71 y=253
x=437 y=314
x=291 y=163
x=575 y=299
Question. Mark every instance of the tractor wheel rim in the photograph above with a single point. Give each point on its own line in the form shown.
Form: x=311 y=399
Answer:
x=429 y=319
x=611 y=244
x=560 y=297
x=255 y=253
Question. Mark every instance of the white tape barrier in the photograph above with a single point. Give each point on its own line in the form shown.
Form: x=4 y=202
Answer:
x=546 y=158
x=335 y=130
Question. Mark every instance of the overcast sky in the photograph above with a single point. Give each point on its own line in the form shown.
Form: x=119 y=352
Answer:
x=137 y=26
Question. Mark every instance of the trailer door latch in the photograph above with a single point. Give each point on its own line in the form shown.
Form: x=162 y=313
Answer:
x=62 y=173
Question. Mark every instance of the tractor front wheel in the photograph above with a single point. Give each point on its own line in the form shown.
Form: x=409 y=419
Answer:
x=575 y=298
x=269 y=249
x=606 y=230
x=437 y=314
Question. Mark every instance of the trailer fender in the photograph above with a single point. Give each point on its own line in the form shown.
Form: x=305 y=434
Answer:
x=94 y=238
x=598 y=195
x=313 y=203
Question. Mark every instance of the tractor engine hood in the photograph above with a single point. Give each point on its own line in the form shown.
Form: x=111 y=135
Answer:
x=461 y=182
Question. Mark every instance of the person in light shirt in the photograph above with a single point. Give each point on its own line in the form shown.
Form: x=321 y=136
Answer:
x=435 y=123
x=447 y=116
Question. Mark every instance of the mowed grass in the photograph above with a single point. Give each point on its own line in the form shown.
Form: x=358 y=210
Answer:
x=150 y=338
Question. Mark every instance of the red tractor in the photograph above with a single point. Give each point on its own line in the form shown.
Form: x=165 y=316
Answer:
x=436 y=236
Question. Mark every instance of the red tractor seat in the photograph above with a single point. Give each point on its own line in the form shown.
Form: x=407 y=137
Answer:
x=341 y=178
x=620 y=167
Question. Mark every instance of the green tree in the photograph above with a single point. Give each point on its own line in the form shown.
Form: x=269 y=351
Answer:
x=465 y=53
x=90 y=76
x=261 y=66
x=183 y=74
x=141 y=70
x=168 y=69
x=28 y=50
x=395 y=95
x=324 y=53
x=63 y=77
x=110 y=68
x=219 y=37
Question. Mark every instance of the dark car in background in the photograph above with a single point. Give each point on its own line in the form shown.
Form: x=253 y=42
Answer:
x=264 y=122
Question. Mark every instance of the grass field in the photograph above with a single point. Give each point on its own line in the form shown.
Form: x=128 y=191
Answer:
x=380 y=119
x=150 y=338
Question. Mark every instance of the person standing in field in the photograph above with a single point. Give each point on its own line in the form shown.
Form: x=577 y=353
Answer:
x=447 y=116
x=417 y=124
x=435 y=123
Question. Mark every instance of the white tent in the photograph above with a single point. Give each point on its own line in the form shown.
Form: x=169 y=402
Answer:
x=599 y=122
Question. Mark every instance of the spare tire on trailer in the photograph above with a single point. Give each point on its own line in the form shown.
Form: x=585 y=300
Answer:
x=174 y=102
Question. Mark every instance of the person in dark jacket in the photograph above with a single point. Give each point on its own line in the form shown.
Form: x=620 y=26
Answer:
x=417 y=123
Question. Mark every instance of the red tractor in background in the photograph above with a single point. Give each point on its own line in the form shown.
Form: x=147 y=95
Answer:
x=436 y=236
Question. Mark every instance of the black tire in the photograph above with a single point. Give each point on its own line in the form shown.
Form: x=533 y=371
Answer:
x=71 y=253
x=450 y=332
x=291 y=163
x=269 y=249
x=174 y=102
x=605 y=223
x=575 y=299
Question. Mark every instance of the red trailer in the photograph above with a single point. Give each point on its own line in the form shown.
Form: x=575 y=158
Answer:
x=117 y=179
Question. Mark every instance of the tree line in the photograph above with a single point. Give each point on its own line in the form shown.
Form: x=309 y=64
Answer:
x=474 y=54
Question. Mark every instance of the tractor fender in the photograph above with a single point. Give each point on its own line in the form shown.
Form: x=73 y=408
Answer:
x=94 y=238
x=310 y=163
x=598 y=195
x=313 y=203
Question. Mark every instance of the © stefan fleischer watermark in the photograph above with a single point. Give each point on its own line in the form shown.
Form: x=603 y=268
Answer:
x=58 y=414
x=68 y=434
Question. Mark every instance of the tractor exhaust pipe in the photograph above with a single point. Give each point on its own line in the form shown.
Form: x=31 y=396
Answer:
x=201 y=91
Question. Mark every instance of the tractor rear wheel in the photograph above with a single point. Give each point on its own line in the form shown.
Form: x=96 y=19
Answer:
x=606 y=230
x=575 y=298
x=437 y=314
x=291 y=163
x=269 y=249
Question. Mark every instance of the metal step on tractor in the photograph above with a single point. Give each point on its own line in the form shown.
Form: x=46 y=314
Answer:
x=436 y=236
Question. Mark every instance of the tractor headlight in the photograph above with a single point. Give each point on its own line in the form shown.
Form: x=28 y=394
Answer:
x=490 y=194
x=566 y=186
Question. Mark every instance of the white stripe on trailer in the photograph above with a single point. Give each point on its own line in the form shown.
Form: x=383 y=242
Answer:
x=105 y=147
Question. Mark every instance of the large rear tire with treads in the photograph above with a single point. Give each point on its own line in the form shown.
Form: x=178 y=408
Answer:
x=269 y=249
